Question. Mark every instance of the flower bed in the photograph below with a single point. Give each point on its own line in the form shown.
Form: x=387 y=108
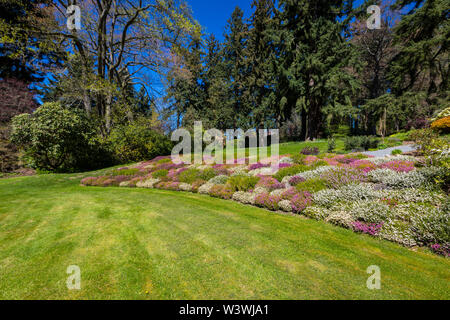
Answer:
x=387 y=197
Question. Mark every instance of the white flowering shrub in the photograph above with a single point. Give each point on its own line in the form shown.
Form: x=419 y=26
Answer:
x=369 y=211
x=150 y=183
x=185 y=187
x=222 y=179
x=244 y=197
x=341 y=219
x=398 y=180
x=363 y=191
x=398 y=231
x=286 y=160
x=383 y=160
x=431 y=225
x=285 y=205
x=327 y=198
x=316 y=213
x=204 y=189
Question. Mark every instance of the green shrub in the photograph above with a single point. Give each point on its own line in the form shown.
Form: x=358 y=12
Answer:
x=291 y=171
x=298 y=158
x=191 y=175
x=396 y=152
x=162 y=161
x=242 y=183
x=312 y=185
x=361 y=143
x=125 y=172
x=331 y=145
x=207 y=174
x=138 y=141
x=58 y=139
x=160 y=174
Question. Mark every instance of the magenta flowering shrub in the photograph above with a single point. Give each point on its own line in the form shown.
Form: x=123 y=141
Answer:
x=221 y=170
x=399 y=166
x=269 y=183
x=258 y=165
x=363 y=165
x=284 y=165
x=443 y=250
x=221 y=191
x=340 y=176
x=265 y=200
x=301 y=201
x=295 y=180
x=368 y=228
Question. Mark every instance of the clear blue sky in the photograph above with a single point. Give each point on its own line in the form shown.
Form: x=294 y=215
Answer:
x=213 y=14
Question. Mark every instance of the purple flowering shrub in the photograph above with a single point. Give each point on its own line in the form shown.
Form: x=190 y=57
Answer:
x=399 y=166
x=368 y=228
x=296 y=180
x=258 y=165
x=289 y=194
x=301 y=201
x=269 y=183
x=265 y=200
x=310 y=151
x=340 y=176
x=443 y=250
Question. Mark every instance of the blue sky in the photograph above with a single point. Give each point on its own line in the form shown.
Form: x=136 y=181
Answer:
x=213 y=14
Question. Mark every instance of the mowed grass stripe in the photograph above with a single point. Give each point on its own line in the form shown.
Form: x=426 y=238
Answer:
x=153 y=244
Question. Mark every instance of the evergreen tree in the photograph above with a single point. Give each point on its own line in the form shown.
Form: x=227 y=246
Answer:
x=312 y=60
x=234 y=48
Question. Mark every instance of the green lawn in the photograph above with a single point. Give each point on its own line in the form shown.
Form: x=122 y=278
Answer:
x=151 y=244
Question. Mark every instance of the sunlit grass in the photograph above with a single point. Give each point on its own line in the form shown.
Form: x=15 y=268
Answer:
x=152 y=244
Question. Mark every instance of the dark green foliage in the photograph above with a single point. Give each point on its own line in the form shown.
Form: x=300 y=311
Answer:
x=137 y=141
x=58 y=139
x=361 y=143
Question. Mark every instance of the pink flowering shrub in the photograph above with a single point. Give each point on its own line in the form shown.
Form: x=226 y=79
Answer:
x=168 y=185
x=340 y=176
x=368 y=228
x=309 y=160
x=363 y=165
x=89 y=181
x=269 y=183
x=221 y=191
x=301 y=201
x=265 y=200
x=284 y=165
x=288 y=194
x=398 y=166
x=134 y=181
